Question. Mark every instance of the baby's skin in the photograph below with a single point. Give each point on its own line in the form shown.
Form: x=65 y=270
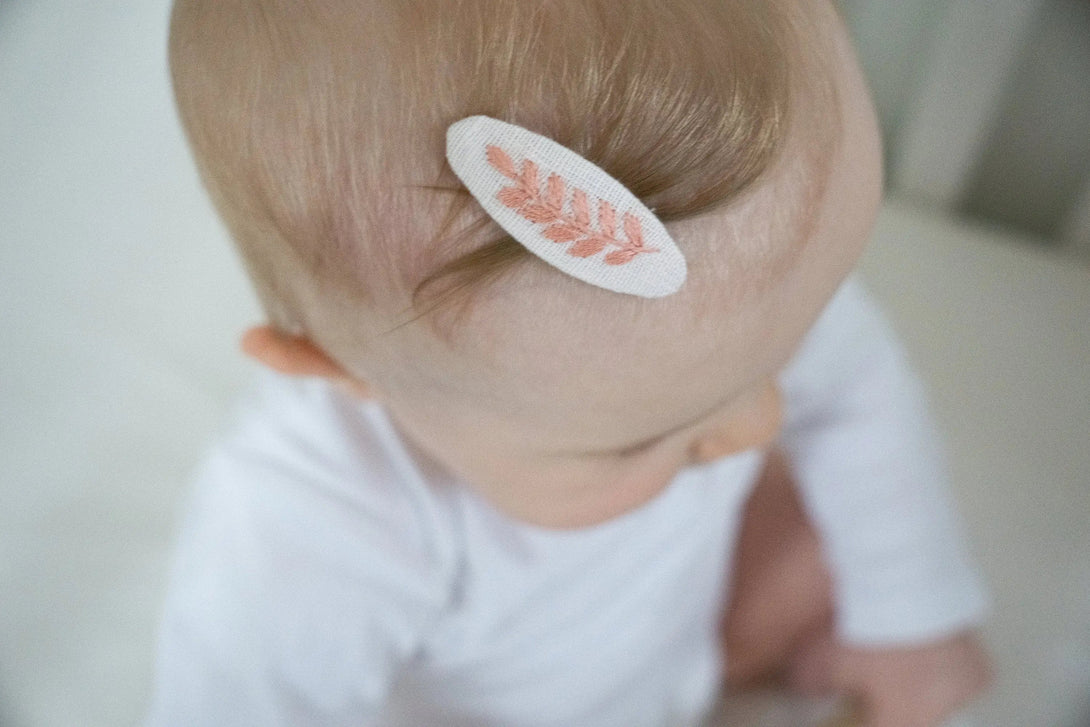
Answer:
x=778 y=628
x=559 y=450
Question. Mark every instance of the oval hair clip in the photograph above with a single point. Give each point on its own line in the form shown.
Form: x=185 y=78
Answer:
x=564 y=209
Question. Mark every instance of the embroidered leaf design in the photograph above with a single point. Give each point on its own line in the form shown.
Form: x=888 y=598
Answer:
x=539 y=213
x=620 y=257
x=513 y=197
x=529 y=177
x=526 y=198
x=562 y=233
x=498 y=158
x=580 y=208
x=633 y=229
x=607 y=218
x=589 y=246
x=555 y=192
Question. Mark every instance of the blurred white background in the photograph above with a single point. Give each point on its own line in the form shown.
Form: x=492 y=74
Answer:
x=121 y=302
x=985 y=106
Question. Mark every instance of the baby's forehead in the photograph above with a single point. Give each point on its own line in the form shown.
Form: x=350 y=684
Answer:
x=735 y=254
x=551 y=346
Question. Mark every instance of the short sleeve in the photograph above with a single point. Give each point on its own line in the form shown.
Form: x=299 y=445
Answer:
x=307 y=574
x=870 y=470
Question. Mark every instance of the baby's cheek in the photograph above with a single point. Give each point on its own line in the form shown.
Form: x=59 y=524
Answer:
x=645 y=478
x=754 y=426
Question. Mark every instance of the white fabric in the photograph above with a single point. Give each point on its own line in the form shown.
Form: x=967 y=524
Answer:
x=864 y=449
x=581 y=205
x=329 y=574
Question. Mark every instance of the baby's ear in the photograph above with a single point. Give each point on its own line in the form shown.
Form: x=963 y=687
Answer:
x=298 y=356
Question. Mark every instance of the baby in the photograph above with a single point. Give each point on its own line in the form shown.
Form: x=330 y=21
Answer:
x=476 y=490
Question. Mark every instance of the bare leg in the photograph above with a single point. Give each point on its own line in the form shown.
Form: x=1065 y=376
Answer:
x=780 y=595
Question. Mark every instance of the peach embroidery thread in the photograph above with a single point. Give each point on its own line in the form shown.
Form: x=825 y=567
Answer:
x=526 y=199
x=545 y=196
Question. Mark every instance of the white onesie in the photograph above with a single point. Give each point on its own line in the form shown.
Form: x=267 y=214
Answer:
x=331 y=574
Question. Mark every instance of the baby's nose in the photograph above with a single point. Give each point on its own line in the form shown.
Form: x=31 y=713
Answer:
x=754 y=423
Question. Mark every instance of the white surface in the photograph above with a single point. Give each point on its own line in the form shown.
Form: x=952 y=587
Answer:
x=120 y=301
x=1001 y=331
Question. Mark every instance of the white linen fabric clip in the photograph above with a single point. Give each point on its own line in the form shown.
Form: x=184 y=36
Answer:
x=543 y=193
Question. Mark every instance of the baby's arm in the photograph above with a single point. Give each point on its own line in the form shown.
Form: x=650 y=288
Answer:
x=909 y=686
x=869 y=470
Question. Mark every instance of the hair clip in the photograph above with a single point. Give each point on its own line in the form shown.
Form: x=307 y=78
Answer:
x=543 y=194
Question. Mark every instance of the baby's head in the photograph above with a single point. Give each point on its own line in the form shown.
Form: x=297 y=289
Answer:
x=319 y=129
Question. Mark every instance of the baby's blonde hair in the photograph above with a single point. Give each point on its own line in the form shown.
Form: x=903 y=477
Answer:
x=319 y=128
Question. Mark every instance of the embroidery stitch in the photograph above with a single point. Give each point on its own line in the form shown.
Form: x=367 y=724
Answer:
x=526 y=199
x=564 y=209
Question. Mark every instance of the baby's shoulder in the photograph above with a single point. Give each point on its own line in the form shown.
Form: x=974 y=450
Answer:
x=301 y=453
x=309 y=546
